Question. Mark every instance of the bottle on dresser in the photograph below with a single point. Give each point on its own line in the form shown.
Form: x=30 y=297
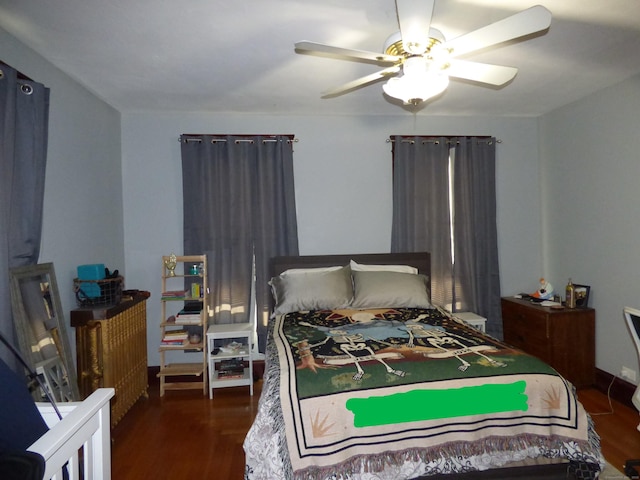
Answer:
x=570 y=293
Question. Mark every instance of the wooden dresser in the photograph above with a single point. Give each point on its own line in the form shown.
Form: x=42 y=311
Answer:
x=564 y=338
x=111 y=346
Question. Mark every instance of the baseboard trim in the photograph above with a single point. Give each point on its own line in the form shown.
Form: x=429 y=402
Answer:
x=152 y=374
x=621 y=390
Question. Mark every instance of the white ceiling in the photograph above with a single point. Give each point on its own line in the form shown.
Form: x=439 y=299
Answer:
x=224 y=56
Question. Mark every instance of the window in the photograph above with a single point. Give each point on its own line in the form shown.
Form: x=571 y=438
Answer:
x=239 y=209
x=444 y=203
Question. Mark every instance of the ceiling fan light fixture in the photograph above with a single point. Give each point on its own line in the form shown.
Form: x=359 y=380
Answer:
x=427 y=59
x=393 y=45
x=417 y=84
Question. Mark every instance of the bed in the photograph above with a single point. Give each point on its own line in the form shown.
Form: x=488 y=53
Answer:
x=366 y=379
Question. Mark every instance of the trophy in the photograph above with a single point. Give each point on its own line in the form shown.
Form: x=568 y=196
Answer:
x=171 y=265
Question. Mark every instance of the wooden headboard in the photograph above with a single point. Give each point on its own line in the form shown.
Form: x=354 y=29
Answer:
x=420 y=260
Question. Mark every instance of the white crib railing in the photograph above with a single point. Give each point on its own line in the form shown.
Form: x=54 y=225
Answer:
x=82 y=436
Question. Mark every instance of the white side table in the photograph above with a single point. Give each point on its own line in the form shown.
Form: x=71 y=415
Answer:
x=472 y=319
x=224 y=344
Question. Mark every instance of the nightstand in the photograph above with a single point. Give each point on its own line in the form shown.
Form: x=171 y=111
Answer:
x=472 y=319
x=564 y=338
x=228 y=353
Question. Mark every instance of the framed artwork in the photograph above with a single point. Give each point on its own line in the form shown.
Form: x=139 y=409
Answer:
x=582 y=295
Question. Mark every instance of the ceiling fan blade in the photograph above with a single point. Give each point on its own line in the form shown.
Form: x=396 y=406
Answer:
x=414 y=18
x=345 y=53
x=361 y=82
x=528 y=21
x=481 y=72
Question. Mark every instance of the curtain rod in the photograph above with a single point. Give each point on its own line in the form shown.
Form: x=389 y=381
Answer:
x=193 y=137
x=21 y=75
x=436 y=139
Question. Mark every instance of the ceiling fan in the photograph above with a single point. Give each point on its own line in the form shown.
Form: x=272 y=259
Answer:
x=426 y=59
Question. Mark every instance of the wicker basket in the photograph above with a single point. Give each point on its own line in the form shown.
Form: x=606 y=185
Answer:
x=93 y=293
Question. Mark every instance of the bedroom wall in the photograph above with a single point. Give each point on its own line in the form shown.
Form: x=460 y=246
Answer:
x=574 y=208
x=590 y=172
x=83 y=186
x=343 y=187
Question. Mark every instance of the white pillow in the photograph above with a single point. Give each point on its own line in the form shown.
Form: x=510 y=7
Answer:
x=296 y=271
x=359 y=267
x=312 y=291
x=390 y=290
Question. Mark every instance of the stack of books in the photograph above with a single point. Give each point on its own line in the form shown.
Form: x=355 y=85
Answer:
x=174 y=294
x=175 y=337
x=191 y=313
x=231 y=368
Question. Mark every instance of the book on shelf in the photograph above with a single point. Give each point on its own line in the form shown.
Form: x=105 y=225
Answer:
x=191 y=313
x=174 y=294
x=192 y=307
x=183 y=317
x=231 y=367
x=180 y=332
x=191 y=320
x=178 y=342
x=175 y=335
x=230 y=375
x=231 y=364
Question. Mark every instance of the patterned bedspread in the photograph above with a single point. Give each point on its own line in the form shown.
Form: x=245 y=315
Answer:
x=401 y=393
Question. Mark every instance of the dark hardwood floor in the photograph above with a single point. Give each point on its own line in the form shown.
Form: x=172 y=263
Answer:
x=185 y=435
x=619 y=436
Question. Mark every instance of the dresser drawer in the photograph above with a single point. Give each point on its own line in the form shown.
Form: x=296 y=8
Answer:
x=525 y=329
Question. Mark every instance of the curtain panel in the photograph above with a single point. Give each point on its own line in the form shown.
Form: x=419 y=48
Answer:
x=239 y=209
x=420 y=207
x=444 y=203
x=24 y=123
x=475 y=231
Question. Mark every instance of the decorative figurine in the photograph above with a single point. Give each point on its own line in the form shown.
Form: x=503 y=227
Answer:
x=171 y=265
x=545 y=292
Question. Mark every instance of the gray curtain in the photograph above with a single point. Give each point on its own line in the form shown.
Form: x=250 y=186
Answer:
x=239 y=205
x=24 y=120
x=476 y=239
x=420 y=207
x=426 y=171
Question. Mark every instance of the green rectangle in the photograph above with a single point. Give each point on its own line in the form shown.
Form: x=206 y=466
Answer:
x=425 y=404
